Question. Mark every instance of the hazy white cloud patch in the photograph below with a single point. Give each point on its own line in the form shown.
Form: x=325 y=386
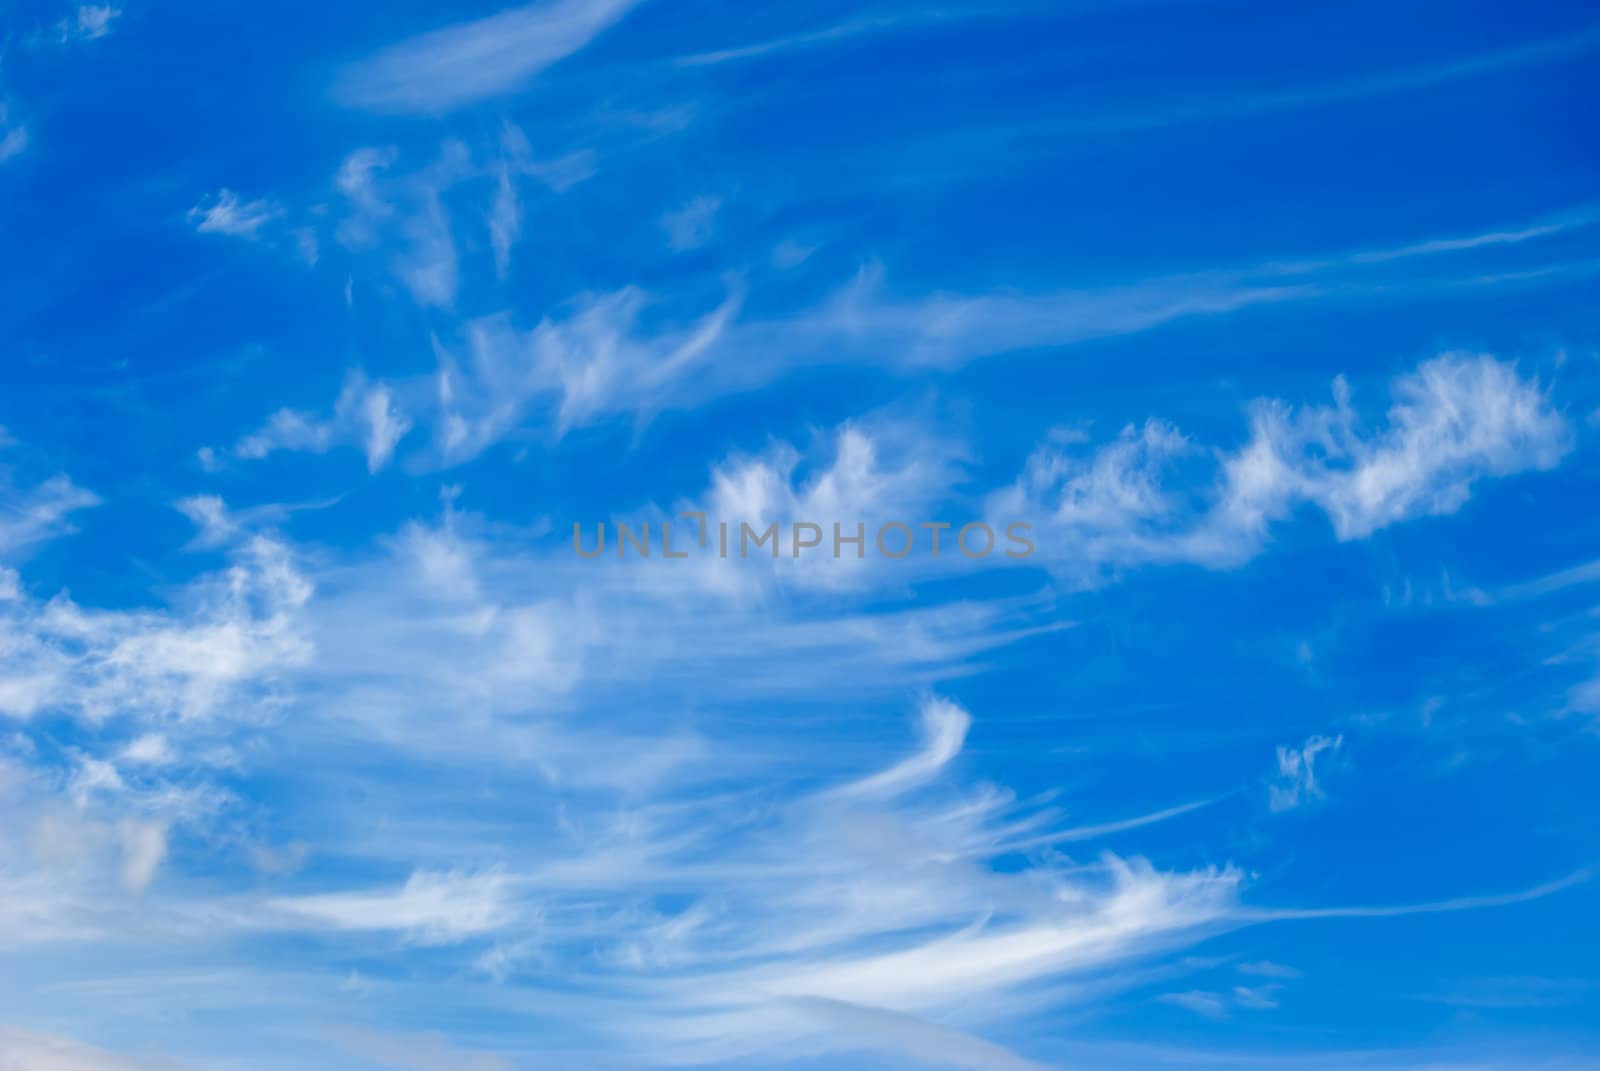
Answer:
x=909 y=1038
x=1224 y=1003
x=415 y=1052
x=430 y=908
x=227 y=213
x=22 y=1050
x=144 y=846
x=693 y=225
x=505 y=221
x=846 y=30
x=13 y=135
x=89 y=23
x=472 y=61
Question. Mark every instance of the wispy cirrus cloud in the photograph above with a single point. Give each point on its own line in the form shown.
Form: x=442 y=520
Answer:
x=365 y=415
x=846 y=30
x=1296 y=780
x=429 y=908
x=472 y=61
x=1152 y=495
x=30 y=515
x=399 y=214
x=1243 y=106
x=599 y=356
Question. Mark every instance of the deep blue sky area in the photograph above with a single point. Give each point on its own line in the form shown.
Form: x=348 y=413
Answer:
x=323 y=326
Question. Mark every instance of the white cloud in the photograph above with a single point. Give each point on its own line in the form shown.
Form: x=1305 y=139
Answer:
x=944 y=730
x=13 y=135
x=908 y=1037
x=365 y=414
x=22 y=1050
x=505 y=221
x=730 y=902
x=841 y=31
x=39 y=513
x=151 y=749
x=89 y=23
x=472 y=61
x=401 y=215
x=1209 y=1005
x=144 y=846
x=600 y=355
x=228 y=214
x=571 y=371
x=1267 y=969
x=1154 y=496
x=358 y=180
x=864 y=322
x=210 y=514
x=385 y=426
x=1457 y=419
x=431 y=908
x=859 y=476
x=1220 y=1005
x=430 y=267
x=415 y=1052
x=693 y=225
x=236 y=629
x=286 y=429
x=1296 y=780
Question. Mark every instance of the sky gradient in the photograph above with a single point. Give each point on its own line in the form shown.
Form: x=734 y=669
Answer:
x=325 y=324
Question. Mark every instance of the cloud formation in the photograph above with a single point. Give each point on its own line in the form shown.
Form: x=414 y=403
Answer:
x=1153 y=496
x=227 y=213
x=472 y=61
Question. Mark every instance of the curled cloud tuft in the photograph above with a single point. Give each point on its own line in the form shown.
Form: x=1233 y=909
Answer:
x=944 y=730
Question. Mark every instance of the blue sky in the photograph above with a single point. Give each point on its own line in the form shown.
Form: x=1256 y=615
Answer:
x=325 y=324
